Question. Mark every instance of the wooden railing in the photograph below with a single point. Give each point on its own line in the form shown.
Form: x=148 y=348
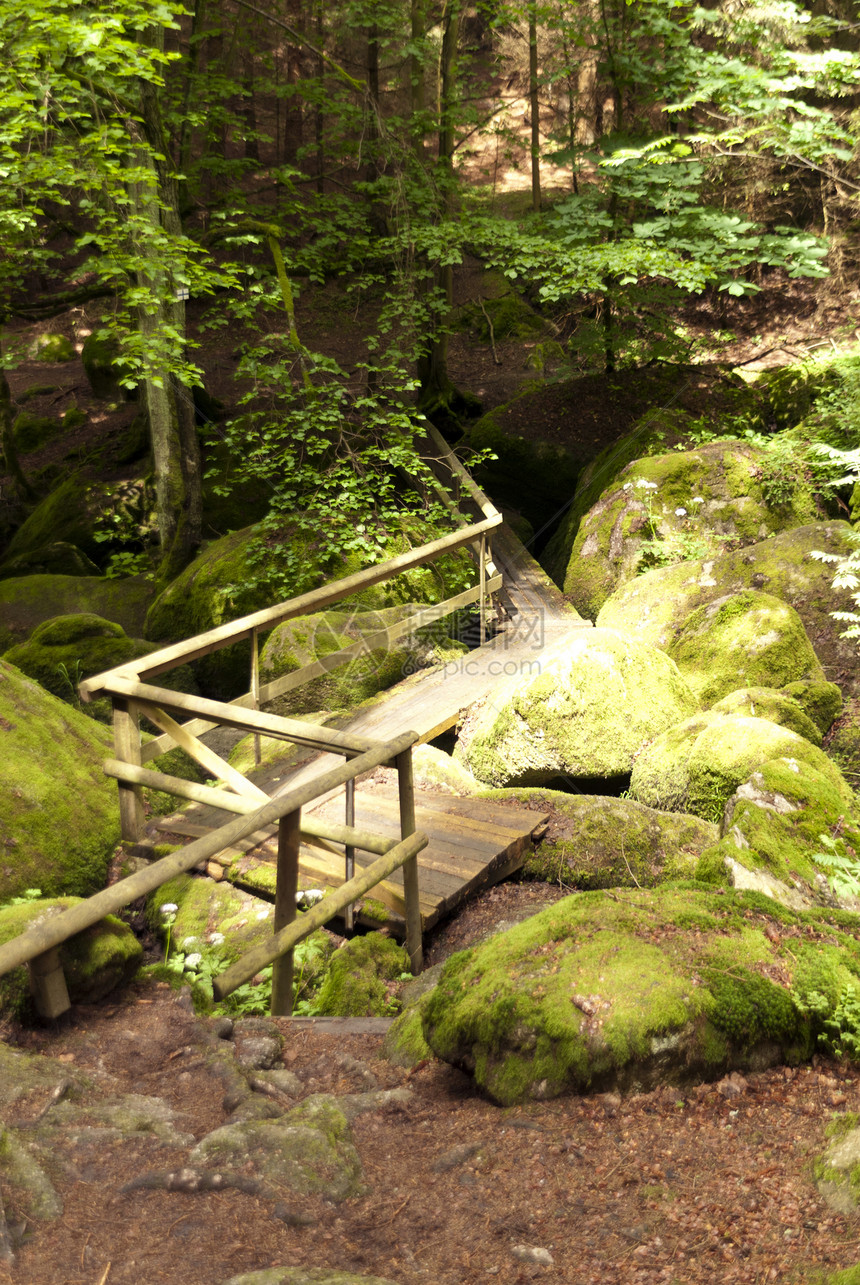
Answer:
x=133 y=695
x=39 y=945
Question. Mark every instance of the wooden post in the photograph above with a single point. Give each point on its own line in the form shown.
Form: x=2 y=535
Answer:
x=483 y=599
x=403 y=763
x=48 y=984
x=349 y=912
x=126 y=739
x=285 y=909
x=255 y=688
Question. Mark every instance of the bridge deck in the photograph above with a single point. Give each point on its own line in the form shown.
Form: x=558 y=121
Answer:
x=473 y=842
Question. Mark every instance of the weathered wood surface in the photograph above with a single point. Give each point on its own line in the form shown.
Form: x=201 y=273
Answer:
x=473 y=843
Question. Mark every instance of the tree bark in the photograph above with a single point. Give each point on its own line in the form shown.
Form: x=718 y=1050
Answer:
x=534 y=106
x=170 y=407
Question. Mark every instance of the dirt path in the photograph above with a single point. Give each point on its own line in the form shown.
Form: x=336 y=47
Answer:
x=703 y=1185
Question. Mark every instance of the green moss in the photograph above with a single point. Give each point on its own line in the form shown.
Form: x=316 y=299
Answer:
x=374 y=910
x=59 y=819
x=103 y=367
x=53 y=347
x=94 y=961
x=775 y=706
x=355 y=982
x=32 y=432
x=599 y=990
x=404 y=1043
x=748 y=639
x=697 y=765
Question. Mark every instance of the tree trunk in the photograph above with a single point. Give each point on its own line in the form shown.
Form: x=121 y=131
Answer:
x=7 y=441
x=534 y=106
x=170 y=407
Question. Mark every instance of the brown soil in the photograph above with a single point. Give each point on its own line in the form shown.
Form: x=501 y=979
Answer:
x=694 y=1186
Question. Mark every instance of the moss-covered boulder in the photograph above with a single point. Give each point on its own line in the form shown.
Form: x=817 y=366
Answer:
x=821 y=702
x=27 y=601
x=775 y=706
x=670 y=508
x=636 y=988
x=95 y=961
x=837 y=1177
x=197 y=913
x=697 y=765
x=52 y=347
x=376 y=665
x=308 y=1151
x=775 y=833
x=748 y=639
x=660 y=430
x=58 y=558
x=100 y=518
x=223 y=583
x=651 y=606
x=32 y=432
x=63 y=651
x=594 y=841
x=584 y=716
x=360 y=976
x=59 y=819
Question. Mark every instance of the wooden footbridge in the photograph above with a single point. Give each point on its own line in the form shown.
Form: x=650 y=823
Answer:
x=417 y=853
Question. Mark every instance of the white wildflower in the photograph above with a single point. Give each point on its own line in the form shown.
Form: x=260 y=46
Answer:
x=697 y=499
x=169 y=908
x=193 y=961
x=188 y=942
x=680 y=513
x=627 y=486
x=216 y=939
x=643 y=484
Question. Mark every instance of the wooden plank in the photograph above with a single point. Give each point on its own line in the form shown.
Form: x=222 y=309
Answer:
x=204 y=756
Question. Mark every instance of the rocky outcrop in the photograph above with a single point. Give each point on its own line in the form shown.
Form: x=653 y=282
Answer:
x=697 y=765
x=585 y=715
x=653 y=605
x=636 y=988
x=59 y=818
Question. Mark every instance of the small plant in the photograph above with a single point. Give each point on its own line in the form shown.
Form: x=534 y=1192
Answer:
x=26 y=898
x=843 y=864
x=71 y=679
x=847 y=564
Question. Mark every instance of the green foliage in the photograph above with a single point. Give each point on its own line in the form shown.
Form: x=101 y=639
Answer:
x=847 y=564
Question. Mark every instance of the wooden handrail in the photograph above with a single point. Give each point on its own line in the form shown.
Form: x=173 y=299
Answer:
x=202 y=644
x=251 y=963
x=35 y=941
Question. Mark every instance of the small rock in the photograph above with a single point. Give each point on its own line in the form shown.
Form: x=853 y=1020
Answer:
x=611 y=1103
x=732 y=1086
x=222 y=1027
x=455 y=1156
x=259 y=1053
x=533 y=1254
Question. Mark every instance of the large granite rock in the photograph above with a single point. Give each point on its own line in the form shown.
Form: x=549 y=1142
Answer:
x=585 y=715
x=776 y=832
x=636 y=988
x=652 y=606
x=747 y=639
x=697 y=765
x=664 y=509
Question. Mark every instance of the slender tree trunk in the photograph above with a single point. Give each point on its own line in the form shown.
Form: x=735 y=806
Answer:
x=170 y=408
x=417 y=80
x=7 y=441
x=534 y=106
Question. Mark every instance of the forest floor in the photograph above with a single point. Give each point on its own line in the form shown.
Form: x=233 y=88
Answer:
x=685 y=1186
